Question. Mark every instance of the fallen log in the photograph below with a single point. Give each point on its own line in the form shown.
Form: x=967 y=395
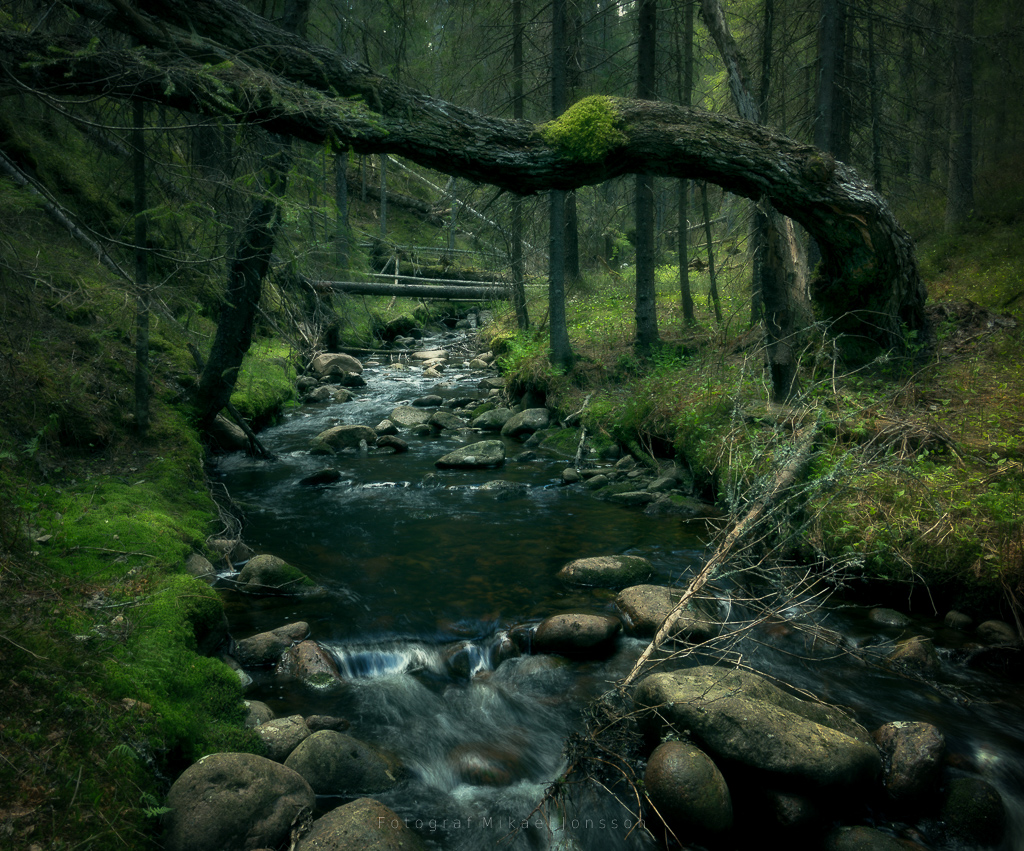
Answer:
x=449 y=291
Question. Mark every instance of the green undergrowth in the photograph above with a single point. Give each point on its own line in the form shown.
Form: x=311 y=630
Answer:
x=917 y=483
x=266 y=382
x=102 y=633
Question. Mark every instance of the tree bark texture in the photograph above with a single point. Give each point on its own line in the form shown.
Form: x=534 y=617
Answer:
x=252 y=71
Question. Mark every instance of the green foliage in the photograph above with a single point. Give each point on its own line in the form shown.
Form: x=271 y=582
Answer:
x=266 y=381
x=587 y=131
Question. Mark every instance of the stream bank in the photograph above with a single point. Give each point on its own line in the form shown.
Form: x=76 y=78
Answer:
x=434 y=582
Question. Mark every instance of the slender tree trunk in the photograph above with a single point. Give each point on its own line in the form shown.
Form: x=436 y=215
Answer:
x=874 y=101
x=142 y=385
x=518 y=266
x=561 y=353
x=646 y=290
x=960 y=182
x=684 y=81
x=383 y=195
x=713 y=283
x=342 y=230
x=758 y=220
x=237 y=319
x=780 y=288
x=826 y=102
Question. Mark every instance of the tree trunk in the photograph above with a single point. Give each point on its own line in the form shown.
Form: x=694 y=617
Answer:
x=868 y=283
x=518 y=266
x=646 y=289
x=238 y=311
x=342 y=230
x=684 y=59
x=960 y=182
x=779 y=287
x=440 y=290
x=561 y=352
x=142 y=385
x=712 y=282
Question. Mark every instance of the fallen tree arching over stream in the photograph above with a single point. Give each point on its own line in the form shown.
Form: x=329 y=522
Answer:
x=216 y=57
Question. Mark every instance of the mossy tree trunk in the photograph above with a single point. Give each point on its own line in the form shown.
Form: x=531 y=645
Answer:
x=868 y=281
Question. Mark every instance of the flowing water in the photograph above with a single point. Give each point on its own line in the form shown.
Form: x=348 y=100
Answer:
x=426 y=573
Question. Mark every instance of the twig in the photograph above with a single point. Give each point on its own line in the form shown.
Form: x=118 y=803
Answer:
x=785 y=477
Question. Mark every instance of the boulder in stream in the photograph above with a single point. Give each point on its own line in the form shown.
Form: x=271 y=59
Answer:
x=267 y=574
x=482 y=455
x=912 y=752
x=266 y=648
x=973 y=810
x=335 y=363
x=526 y=422
x=916 y=654
x=743 y=718
x=687 y=788
x=577 y=635
x=234 y=802
x=645 y=607
x=392 y=442
x=334 y=763
x=361 y=825
x=341 y=437
x=492 y=420
x=308 y=662
x=407 y=416
x=616 y=571
x=283 y=735
x=446 y=420
x=257 y=713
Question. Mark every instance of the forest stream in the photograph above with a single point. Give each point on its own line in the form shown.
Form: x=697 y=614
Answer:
x=425 y=575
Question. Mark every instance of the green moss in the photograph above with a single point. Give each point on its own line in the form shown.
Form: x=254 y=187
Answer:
x=196 y=700
x=563 y=441
x=266 y=382
x=587 y=131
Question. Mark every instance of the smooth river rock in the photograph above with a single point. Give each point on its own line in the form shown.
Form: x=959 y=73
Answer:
x=973 y=810
x=234 y=802
x=362 y=825
x=267 y=574
x=645 y=607
x=492 y=420
x=335 y=363
x=334 y=763
x=407 y=416
x=688 y=789
x=482 y=455
x=341 y=437
x=526 y=422
x=266 y=647
x=577 y=634
x=743 y=718
x=615 y=571
x=283 y=735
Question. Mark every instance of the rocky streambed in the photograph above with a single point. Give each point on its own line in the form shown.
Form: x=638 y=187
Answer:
x=436 y=582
